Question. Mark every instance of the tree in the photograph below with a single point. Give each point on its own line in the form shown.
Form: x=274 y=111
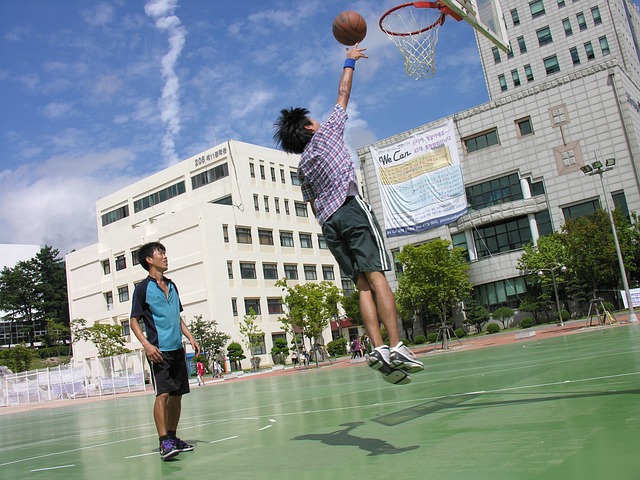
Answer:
x=476 y=315
x=503 y=315
x=19 y=298
x=280 y=350
x=206 y=333
x=310 y=307
x=107 y=338
x=55 y=333
x=253 y=336
x=236 y=355
x=19 y=358
x=434 y=275
x=51 y=285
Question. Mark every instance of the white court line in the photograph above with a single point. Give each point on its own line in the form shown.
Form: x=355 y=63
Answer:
x=53 y=468
x=141 y=455
x=224 y=439
x=264 y=428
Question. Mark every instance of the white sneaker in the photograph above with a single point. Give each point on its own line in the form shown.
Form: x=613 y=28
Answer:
x=403 y=358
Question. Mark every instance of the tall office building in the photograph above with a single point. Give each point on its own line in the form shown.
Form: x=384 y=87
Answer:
x=233 y=223
x=566 y=95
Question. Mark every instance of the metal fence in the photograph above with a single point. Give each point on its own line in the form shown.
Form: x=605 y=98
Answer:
x=85 y=378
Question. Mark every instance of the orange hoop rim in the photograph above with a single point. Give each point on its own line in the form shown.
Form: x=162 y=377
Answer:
x=444 y=11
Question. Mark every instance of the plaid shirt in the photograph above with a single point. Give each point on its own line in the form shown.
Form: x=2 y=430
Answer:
x=326 y=168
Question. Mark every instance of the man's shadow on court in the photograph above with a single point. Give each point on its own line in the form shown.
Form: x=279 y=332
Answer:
x=343 y=437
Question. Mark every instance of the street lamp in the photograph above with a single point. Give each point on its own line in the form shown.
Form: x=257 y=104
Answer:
x=553 y=269
x=597 y=168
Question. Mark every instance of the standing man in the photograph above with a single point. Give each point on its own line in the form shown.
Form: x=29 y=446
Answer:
x=157 y=304
x=348 y=224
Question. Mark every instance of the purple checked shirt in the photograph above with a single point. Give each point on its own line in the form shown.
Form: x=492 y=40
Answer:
x=326 y=168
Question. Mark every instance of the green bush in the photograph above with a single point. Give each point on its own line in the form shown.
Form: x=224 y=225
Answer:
x=406 y=341
x=420 y=339
x=432 y=337
x=57 y=351
x=235 y=354
x=493 y=328
x=526 y=322
x=460 y=332
x=565 y=315
x=608 y=306
x=337 y=348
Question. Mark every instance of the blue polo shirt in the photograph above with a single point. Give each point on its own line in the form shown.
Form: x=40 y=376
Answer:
x=161 y=315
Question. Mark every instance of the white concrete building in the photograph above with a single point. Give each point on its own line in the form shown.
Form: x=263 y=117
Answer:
x=233 y=222
x=568 y=94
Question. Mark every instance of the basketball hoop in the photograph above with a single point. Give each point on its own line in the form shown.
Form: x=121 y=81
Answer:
x=413 y=28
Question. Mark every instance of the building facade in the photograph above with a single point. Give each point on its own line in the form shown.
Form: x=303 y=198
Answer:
x=567 y=95
x=233 y=223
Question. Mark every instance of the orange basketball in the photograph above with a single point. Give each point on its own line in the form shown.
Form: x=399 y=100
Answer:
x=349 y=28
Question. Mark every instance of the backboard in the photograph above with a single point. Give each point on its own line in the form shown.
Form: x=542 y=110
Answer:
x=485 y=16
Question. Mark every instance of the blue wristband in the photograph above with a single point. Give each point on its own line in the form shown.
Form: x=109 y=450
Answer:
x=350 y=63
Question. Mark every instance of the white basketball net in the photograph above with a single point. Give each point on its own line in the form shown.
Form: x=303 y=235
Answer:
x=415 y=32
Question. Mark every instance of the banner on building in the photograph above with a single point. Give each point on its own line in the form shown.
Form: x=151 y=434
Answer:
x=420 y=181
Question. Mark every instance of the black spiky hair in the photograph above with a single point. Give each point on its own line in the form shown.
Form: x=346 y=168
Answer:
x=289 y=129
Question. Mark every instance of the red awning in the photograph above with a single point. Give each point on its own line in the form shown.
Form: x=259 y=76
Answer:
x=342 y=323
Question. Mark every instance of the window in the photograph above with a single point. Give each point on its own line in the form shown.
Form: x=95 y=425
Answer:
x=301 y=209
x=481 y=141
x=496 y=54
x=551 y=64
x=252 y=304
x=121 y=262
x=248 y=270
x=560 y=3
x=566 y=23
x=286 y=207
x=524 y=127
x=252 y=170
x=459 y=240
x=108 y=299
x=274 y=306
x=258 y=344
x=536 y=188
x=595 y=13
x=575 y=56
x=134 y=257
x=503 y=83
x=226 y=200
x=515 y=18
x=502 y=237
x=256 y=203
x=291 y=271
x=510 y=52
x=115 y=215
x=515 y=77
x=270 y=271
x=262 y=174
x=604 y=46
x=225 y=233
x=310 y=272
x=123 y=294
x=126 y=330
x=327 y=272
x=234 y=307
x=273 y=174
x=581 y=209
x=266 y=203
x=230 y=269
x=537 y=8
x=620 y=203
x=243 y=235
x=544 y=36
x=588 y=49
x=528 y=72
x=286 y=239
x=305 y=240
x=159 y=196
x=265 y=237
x=522 y=45
x=582 y=22
x=501 y=293
x=282 y=177
x=295 y=180
x=106 y=267
x=276 y=203
x=209 y=176
x=543 y=221
x=322 y=243
x=493 y=192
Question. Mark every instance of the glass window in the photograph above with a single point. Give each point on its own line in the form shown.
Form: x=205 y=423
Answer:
x=515 y=77
x=252 y=304
x=494 y=192
x=551 y=64
x=262 y=174
x=265 y=237
x=123 y=294
x=305 y=240
x=496 y=54
x=248 y=270
x=575 y=211
x=286 y=207
x=108 y=299
x=327 y=272
x=301 y=209
x=243 y=235
x=266 y=203
x=282 y=176
x=620 y=203
x=560 y=3
x=256 y=203
x=529 y=73
x=115 y=215
x=597 y=19
x=575 y=56
x=230 y=269
x=515 y=18
x=234 y=307
x=274 y=306
x=522 y=45
x=121 y=262
x=159 y=196
x=588 y=49
x=286 y=239
x=524 y=126
x=291 y=271
x=502 y=237
x=544 y=36
x=543 y=221
x=322 y=243
x=481 y=141
x=209 y=176
x=273 y=174
x=252 y=170
x=566 y=23
x=582 y=22
x=225 y=233
x=106 y=267
x=604 y=45
x=276 y=203
x=310 y=272
x=295 y=180
x=126 y=330
x=270 y=271
x=503 y=83
x=537 y=8
x=459 y=240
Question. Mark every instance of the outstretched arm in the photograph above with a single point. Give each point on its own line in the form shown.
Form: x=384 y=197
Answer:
x=344 y=87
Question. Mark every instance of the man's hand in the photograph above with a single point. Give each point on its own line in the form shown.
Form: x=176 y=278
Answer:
x=153 y=353
x=356 y=53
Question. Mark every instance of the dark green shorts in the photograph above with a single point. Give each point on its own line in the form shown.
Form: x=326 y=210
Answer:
x=355 y=239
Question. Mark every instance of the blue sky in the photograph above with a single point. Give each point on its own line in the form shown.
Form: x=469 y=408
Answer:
x=99 y=94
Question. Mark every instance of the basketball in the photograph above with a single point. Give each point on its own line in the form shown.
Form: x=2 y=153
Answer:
x=349 y=28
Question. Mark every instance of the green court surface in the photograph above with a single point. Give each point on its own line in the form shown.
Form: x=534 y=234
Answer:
x=560 y=408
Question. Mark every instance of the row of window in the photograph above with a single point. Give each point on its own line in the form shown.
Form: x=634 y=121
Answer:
x=489 y=138
x=300 y=207
x=265 y=237
x=120 y=262
x=272 y=170
x=537 y=9
x=270 y=271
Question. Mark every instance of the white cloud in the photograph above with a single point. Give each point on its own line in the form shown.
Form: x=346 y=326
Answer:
x=55 y=110
x=98 y=15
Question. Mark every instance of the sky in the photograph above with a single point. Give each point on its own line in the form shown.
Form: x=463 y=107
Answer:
x=99 y=94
